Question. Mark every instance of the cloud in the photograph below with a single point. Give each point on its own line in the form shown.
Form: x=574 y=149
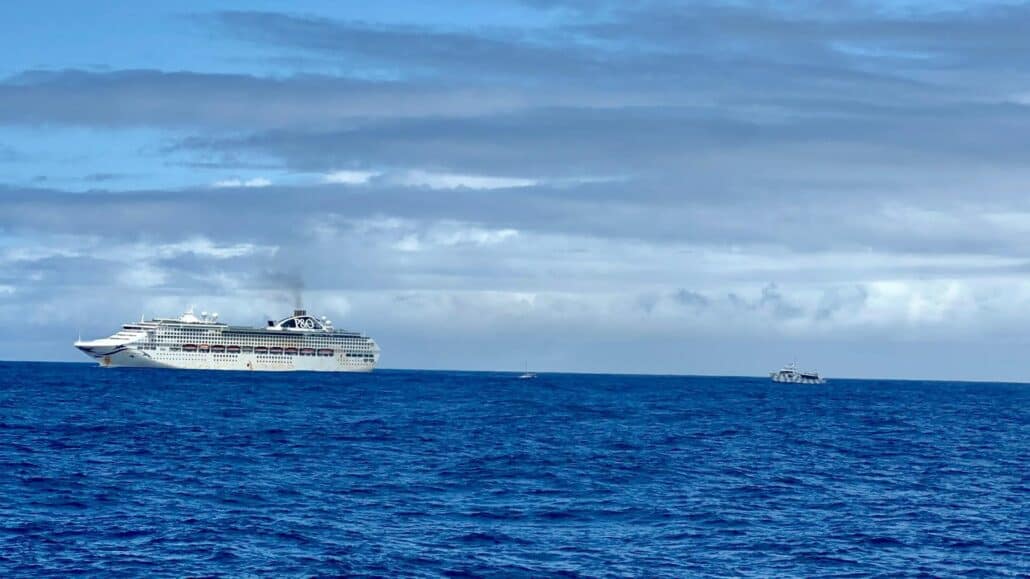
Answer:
x=10 y=154
x=412 y=47
x=805 y=61
x=254 y=182
x=418 y=178
x=454 y=235
x=143 y=275
x=198 y=246
x=691 y=298
x=407 y=235
x=672 y=146
x=153 y=98
x=349 y=177
x=819 y=236
x=68 y=250
x=642 y=40
x=104 y=177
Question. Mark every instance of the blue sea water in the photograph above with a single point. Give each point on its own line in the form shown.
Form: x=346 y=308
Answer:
x=399 y=473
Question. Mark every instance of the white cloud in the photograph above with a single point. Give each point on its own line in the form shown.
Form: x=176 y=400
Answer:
x=448 y=234
x=347 y=177
x=255 y=182
x=407 y=235
x=142 y=275
x=199 y=246
x=85 y=246
x=419 y=178
x=36 y=253
x=140 y=269
x=429 y=179
x=452 y=234
x=409 y=242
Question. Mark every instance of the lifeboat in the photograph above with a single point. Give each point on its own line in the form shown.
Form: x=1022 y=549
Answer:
x=275 y=350
x=260 y=350
x=233 y=349
x=189 y=347
x=325 y=352
x=218 y=349
x=291 y=351
x=203 y=347
x=307 y=351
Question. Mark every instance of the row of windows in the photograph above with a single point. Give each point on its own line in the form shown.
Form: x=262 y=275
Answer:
x=235 y=349
x=266 y=341
x=273 y=350
x=284 y=343
x=280 y=359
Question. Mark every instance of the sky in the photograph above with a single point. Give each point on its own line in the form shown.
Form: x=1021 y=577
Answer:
x=655 y=187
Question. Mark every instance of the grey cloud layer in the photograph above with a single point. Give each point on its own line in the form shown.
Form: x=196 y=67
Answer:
x=658 y=88
x=288 y=216
x=224 y=101
x=712 y=54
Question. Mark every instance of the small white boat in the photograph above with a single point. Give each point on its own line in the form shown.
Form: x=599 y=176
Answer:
x=526 y=374
x=790 y=374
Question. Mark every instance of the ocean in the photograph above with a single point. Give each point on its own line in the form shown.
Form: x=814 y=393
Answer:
x=138 y=472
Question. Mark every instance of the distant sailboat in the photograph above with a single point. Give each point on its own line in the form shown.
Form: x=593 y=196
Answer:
x=526 y=374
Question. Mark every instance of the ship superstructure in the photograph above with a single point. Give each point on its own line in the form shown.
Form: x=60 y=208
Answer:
x=297 y=342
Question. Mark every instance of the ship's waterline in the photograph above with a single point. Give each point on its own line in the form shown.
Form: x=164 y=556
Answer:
x=191 y=342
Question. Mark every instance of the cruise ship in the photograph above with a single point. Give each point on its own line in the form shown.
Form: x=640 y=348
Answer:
x=297 y=342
